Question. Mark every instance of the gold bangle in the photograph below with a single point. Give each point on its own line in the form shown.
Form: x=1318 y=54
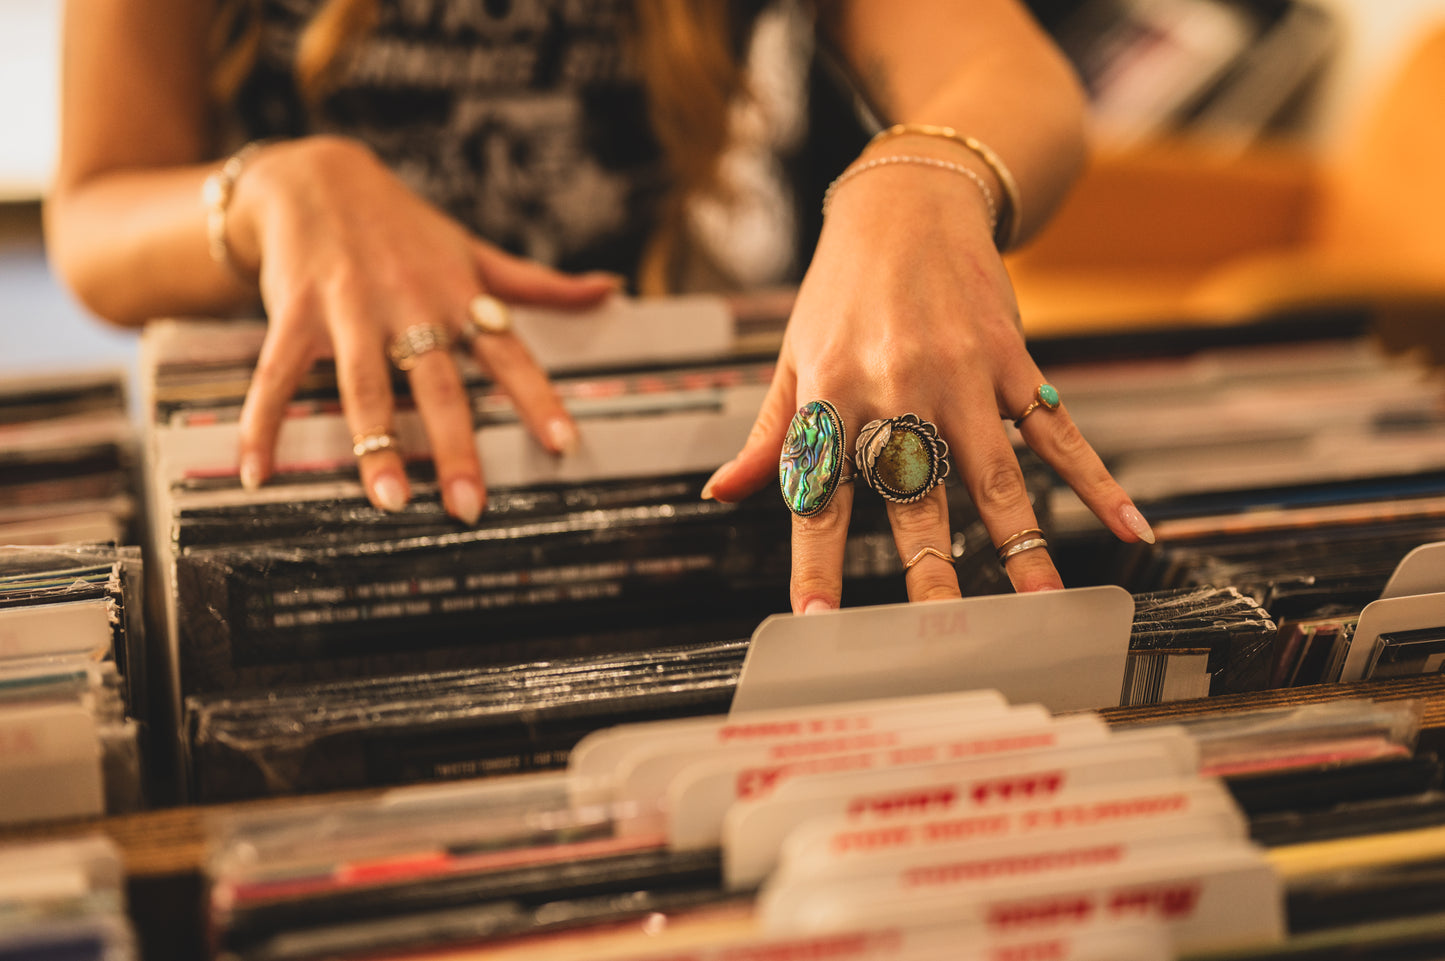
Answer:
x=866 y=165
x=216 y=194
x=1007 y=233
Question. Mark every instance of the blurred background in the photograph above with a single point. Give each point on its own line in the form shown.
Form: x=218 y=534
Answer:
x=1237 y=167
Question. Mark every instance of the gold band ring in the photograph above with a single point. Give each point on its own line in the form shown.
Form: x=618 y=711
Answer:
x=1026 y=532
x=377 y=439
x=926 y=552
x=1020 y=547
x=407 y=346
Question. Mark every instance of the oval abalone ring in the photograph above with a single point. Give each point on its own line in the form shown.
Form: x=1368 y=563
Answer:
x=902 y=458
x=811 y=465
x=1045 y=396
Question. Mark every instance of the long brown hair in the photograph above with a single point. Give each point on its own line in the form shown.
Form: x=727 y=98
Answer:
x=683 y=49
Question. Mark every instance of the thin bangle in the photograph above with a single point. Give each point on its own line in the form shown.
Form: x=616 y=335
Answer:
x=216 y=193
x=1008 y=230
x=876 y=162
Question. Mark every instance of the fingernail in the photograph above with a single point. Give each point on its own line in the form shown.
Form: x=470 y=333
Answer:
x=389 y=493
x=817 y=606
x=617 y=281
x=707 y=488
x=466 y=500
x=1135 y=521
x=251 y=472
x=562 y=434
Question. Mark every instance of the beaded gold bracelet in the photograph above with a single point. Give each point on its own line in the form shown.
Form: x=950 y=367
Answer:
x=216 y=193
x=1008 y=227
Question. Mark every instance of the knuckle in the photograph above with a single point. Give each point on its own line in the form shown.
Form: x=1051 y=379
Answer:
x=936 y=588
x=827 y=523
x=1000 y=485
x=441 y=386
x=920 y=518
x=808 y=584
x=1069 y=441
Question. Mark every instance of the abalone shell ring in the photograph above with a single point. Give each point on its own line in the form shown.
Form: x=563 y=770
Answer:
x=1045 y=396
x=902 y=458
x=811 y=466
x=407 y=346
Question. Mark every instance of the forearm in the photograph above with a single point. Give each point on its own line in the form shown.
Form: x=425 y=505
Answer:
x=132 y=245
x=983 y=68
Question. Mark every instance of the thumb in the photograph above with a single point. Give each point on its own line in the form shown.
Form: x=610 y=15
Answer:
x=757 y=463
x=520 y=281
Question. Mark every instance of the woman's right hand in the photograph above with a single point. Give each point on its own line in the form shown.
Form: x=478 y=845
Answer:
x=347 y=259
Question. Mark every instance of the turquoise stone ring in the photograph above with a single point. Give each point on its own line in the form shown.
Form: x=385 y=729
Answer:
x=902 y=458
x=1045 y=396
x=812 y=462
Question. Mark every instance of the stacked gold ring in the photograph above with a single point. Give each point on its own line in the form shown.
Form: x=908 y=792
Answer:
x=376 y=439
x=407 y=347
x=1025 y=540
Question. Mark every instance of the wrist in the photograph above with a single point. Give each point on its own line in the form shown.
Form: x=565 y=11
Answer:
x=277 y=179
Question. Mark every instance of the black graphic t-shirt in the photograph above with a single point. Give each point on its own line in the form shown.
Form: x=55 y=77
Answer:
x=520 y=118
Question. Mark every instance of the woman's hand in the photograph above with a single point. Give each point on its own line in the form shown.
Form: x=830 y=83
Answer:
x=907 y=308
x=348 y=258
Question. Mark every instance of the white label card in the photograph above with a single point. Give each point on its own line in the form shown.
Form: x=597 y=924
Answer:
x=1386 y=616
x=754 y=831
x=699 y=796
x=1063 y=649
x=592 y=765
x=1422 y=571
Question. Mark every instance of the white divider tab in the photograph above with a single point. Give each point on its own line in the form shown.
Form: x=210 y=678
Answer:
x=1422 y=571
x=1063 y=649
x=700 y=793
x=754 y=830
x=1416 y=612
x=824 y=845
x=1213 y=897
x=594 y=764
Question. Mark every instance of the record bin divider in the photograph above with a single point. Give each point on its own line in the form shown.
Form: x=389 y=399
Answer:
x=164 y=850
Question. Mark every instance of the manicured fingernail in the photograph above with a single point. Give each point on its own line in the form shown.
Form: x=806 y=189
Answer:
x=707 y=494
x=562 y=434
x=466 y=500
x=388 y=493
x=1135 y=521
x=817 y=606
x=251 y=472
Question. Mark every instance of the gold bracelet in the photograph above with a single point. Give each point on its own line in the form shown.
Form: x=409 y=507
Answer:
x=216 y=193
x=866 y=165
x=1007 y=233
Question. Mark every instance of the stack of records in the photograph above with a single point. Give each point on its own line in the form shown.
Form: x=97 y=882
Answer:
x=1193 y=642
x=67 y=460
x=63 y=900
x=606 y=553
x=71 y=665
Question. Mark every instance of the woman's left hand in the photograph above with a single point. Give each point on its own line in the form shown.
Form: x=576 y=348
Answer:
x=907 y=308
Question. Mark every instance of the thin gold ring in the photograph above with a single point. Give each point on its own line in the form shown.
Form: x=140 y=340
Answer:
x=925 y=552
x=376 y=439
x=1020 y=547
x=1026 y=532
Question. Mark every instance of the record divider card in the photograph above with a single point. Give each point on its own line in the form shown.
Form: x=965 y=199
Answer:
x=1063 y=649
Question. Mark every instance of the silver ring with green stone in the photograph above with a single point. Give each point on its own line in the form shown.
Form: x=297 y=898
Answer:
x=811 y=465
x=902 y=458
x=1045 y=396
